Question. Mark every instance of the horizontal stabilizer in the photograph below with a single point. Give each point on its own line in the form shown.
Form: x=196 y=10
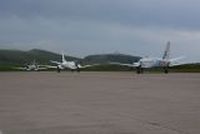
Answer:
x=20 y=68
x=176 y=61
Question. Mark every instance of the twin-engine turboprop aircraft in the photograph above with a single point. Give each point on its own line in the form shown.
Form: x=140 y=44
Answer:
x=165 y=62
x=32 y=67
x=64 y=64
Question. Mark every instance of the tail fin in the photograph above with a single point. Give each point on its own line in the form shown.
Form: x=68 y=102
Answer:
x=34 y=62
x=63 y=57
x=166 y=52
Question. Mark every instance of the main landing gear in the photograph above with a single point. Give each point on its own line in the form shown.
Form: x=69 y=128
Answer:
x=140 y=70
x=58 y=69
x=166 y=71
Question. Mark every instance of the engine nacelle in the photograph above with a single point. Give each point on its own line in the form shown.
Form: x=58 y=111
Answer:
x=59 y=67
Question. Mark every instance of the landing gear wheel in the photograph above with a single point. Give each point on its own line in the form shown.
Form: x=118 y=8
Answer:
x=142 y=70
x=58 y=69
x=138 y=70
x=166 y=71
x=78 y=70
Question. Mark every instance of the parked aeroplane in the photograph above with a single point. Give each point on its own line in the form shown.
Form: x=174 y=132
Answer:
x=165 y=62
x=32 y=67
x=64 y=64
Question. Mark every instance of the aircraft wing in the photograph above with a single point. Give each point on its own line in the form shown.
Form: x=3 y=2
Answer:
x=86 y=66
x=55 y=62
x=42 y=68
x=20 y=68
x=136 y=64
x=51 y=67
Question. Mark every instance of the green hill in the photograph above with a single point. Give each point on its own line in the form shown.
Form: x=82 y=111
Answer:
x=193 y=67
x=17 y=57
x=11 y=58
x=106 y=58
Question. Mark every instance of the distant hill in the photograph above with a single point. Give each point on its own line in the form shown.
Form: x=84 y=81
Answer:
x=17 y=57
x=10 y=58
x=106 y=58
x=193 y=67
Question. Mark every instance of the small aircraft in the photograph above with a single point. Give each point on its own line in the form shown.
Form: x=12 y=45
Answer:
x=72 y=65
x=32 y=67
x=165 y=62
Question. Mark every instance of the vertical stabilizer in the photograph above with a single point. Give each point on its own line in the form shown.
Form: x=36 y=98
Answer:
x=167 y=51
x=63 y=57
x=34 y=62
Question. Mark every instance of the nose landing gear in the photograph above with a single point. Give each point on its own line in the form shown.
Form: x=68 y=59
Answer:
x=166 y=71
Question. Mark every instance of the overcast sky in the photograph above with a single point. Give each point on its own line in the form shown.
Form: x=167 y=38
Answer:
x=83 y=27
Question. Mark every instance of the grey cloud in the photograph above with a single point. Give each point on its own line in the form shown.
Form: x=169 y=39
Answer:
x=82 y=27
x=171 y=13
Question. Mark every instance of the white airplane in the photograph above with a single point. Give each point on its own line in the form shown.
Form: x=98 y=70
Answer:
x=72 y=65
x=32 y=67
x=165 y=62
